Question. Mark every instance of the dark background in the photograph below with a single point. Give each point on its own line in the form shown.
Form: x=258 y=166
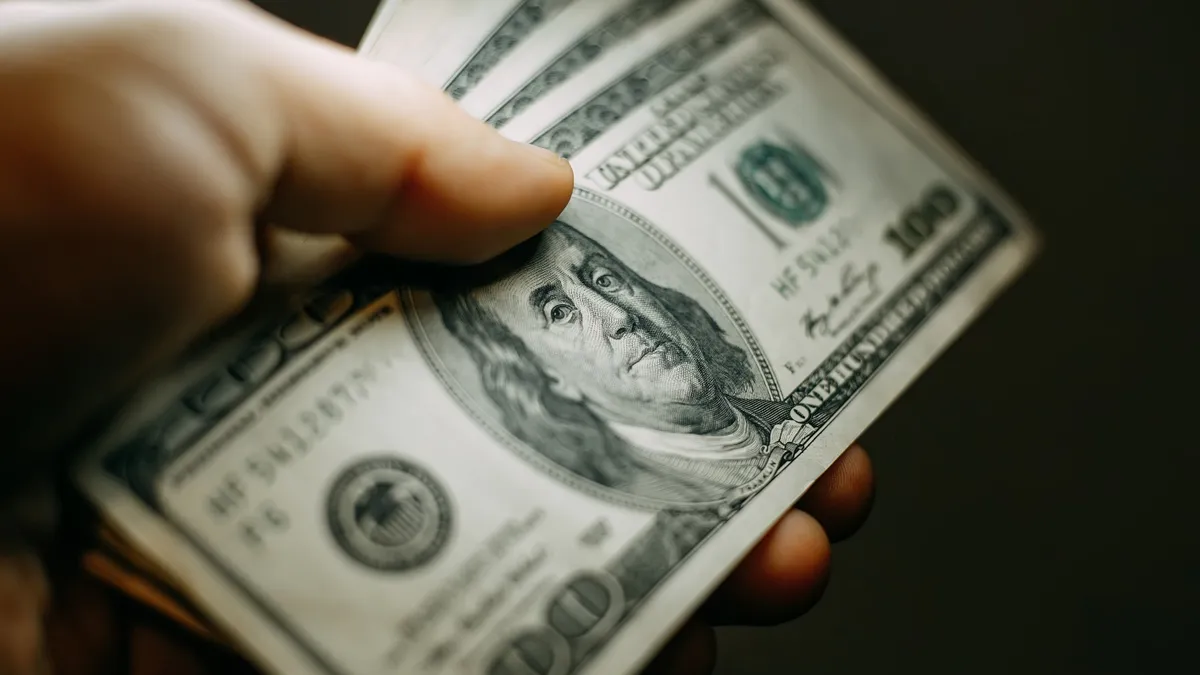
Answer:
x=1034 y=510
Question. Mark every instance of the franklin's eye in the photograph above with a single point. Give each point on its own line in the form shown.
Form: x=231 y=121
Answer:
x=558 y=312
x=606 y=280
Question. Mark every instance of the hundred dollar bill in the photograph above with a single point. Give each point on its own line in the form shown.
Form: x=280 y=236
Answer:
x=563 y=46
x=545 y=463
x=453 y=43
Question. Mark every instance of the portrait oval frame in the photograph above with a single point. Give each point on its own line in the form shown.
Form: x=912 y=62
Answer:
x=414 y=302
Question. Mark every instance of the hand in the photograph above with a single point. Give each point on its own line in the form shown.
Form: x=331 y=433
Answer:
x=164 y=160
x=786 y=572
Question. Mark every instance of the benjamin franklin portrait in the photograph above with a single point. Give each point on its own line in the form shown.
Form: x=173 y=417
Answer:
x=624 y=382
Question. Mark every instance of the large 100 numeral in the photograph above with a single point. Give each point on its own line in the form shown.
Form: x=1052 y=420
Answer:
x=920 y=222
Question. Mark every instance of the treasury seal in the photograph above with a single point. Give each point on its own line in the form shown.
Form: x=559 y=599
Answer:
x=785 y=182
x=388 y=514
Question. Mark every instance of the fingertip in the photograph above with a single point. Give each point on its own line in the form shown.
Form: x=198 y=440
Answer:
x=374 y=154
x=842 y=497
x=781 y=578
x=466 y=209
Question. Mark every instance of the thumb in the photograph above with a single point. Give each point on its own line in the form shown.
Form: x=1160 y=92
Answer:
x=377 y=155
x=173 y=129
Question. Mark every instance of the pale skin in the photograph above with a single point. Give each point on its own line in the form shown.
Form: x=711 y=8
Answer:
x=159 y=163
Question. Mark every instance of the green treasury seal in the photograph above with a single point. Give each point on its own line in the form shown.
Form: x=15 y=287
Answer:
x=785 y=182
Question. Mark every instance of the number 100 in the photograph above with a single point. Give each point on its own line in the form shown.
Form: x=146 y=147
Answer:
x=920 y=221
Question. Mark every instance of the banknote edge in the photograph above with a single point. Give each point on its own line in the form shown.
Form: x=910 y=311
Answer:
x=490 y=117
x=449 y=84
x=381 y=18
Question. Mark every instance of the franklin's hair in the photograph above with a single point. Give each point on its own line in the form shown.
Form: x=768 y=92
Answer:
x=567 y=432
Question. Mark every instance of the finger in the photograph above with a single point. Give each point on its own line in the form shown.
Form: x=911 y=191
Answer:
x=841 y=498
x=692 y=651
x=781 y=578
x=374 y=153
x=24 y=598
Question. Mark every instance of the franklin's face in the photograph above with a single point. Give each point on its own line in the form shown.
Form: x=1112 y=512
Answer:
x=603 y=336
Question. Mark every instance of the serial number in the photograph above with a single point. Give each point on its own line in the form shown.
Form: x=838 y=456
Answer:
x=314 y=422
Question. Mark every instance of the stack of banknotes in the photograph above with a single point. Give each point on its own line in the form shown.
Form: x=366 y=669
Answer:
x=545 y=464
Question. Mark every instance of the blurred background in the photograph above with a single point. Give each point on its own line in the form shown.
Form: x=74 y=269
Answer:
x=1035 y=511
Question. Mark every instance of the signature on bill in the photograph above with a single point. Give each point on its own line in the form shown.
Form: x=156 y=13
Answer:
x=858 y=288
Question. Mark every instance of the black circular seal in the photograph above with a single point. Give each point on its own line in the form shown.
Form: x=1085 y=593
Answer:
x=389 y=514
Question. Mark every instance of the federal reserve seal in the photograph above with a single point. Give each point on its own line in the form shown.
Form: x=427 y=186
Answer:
x=389 y=514
x=786 y=182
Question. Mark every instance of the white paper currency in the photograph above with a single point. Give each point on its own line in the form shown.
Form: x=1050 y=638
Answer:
x=545 y=465
x=559 y=49
x=453 y=44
